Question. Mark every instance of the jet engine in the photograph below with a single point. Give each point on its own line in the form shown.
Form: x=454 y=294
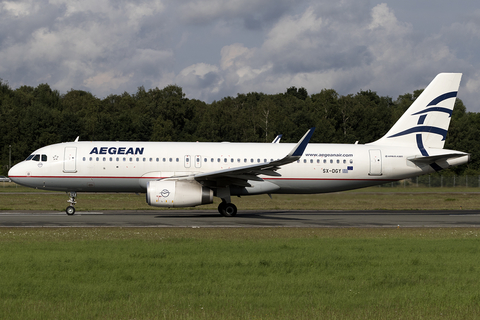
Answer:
x=177 y=193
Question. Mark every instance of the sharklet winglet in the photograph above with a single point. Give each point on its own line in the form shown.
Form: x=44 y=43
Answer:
x=302 y=144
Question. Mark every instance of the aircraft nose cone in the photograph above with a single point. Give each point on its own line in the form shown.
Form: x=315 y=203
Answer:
x=14 y=172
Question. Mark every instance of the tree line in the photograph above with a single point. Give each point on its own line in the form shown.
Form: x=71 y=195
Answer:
x=34 y=117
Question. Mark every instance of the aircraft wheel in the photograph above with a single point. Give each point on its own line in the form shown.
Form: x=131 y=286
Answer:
x=227 y=209
x=230 y=210
x=221 y=208
x=70 y=210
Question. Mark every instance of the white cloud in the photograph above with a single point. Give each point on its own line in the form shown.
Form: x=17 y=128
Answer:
x=107 y=80
x=206 y=11
x=20 y=9
x=313 y=50
x=235 y=55
x=83 y=44
x=216 y=48
x=202 y=77
x=294 y=31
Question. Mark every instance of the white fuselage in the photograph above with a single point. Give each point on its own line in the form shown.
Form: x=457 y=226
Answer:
x=129 y=166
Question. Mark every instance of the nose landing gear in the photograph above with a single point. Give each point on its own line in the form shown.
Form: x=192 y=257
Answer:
x=71 y=209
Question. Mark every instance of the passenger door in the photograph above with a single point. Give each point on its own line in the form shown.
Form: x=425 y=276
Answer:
x=70 y=160
x=375 y=163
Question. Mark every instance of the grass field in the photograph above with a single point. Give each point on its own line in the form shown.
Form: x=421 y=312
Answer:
x=238 y=273
x=13 y=197
x=242 y=273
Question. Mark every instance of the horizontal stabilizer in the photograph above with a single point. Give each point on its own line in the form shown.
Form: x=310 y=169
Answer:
x=431 y=159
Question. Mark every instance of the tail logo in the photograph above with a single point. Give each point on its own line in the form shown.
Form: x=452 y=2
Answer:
x=420 y=128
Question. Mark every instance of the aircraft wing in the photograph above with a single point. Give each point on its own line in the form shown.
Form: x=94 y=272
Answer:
x=240 y=175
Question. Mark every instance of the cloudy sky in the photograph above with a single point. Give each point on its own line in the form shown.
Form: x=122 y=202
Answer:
x=218 y=48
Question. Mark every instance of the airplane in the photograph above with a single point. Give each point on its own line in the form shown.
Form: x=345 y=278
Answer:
x=187 y=174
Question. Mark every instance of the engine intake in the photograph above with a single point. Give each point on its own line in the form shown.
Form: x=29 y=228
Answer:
x=177 y=193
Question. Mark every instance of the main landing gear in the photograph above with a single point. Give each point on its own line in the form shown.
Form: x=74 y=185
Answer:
x=71 y=209
x=227 y=209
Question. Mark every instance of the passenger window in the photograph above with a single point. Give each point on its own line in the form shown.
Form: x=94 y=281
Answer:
x=97 y=159
x=351 y=160
x=344 y=161
x=331 y=160
x=245 y=160
x=170 y=159
x=324 y=160
x=84 y=159
x=177 y=159
x=304 y=160
x=111 y=159
x=225 y=160
x=338 y=161
x=104 y=159
x=311 y=160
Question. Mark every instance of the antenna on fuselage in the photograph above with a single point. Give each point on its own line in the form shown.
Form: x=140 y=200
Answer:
x=76 y=140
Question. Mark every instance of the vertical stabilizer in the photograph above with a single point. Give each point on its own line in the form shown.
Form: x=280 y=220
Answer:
x=425 y=123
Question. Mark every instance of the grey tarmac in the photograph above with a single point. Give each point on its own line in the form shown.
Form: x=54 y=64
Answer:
x=266 y=218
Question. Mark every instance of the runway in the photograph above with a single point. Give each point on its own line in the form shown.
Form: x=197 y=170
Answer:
x=268 y=218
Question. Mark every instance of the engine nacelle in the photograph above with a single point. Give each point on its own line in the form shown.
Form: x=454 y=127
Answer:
x=177 y=193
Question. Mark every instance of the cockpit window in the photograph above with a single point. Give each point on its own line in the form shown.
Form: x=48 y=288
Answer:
x=37 y=157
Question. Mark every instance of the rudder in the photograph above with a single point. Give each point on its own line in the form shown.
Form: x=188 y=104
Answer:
x=426 y=121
